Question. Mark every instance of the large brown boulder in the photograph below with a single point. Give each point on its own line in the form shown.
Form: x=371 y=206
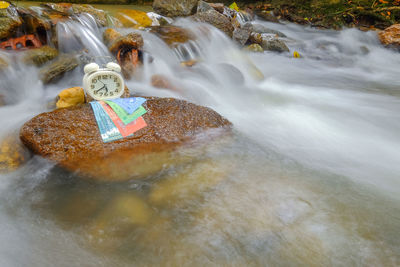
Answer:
x=175 y=8
x=71 y=138
x=391 y=36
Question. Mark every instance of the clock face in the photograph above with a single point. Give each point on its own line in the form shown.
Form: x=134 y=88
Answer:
x=105 y=85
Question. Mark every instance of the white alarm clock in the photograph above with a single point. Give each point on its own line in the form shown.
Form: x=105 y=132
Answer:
x=103 y=84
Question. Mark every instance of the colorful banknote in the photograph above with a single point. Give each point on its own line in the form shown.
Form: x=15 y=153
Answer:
x=123 y=115
x=124 y=129
x=130 y=104
x=108 y=131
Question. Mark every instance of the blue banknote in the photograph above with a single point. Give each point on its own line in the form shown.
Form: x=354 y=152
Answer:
x=108 y=131
x=130 y=104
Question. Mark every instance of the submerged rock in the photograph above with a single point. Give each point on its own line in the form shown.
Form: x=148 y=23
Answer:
x=56 y=69
x=172 y=35
x=187 y=184
x=40 y=56
x=70 y=97
x=175 y=8
x=71 y=137
x=3 y=63
x=254 y=48
x=390 y=36
x=216 y=19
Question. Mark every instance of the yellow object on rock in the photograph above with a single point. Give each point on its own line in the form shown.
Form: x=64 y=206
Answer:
x=12 y=154
x=296 y=54
x=134 y=18
x=4 y=4
x=71 y=97
x=234 y=6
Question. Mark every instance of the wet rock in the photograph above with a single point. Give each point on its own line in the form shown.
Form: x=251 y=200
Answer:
x=390 y=36
x=134 y=18
x=189 y=63
x=70 y=137
x=129 y=61
x=10 y=21
x=172 y=35
x=241 y=35
x=274 y=44
x=57 y=68
x=203 y=6
x=216 y=19
x=3 y=63
x=40 y=56
x=12 y=154
x=35 y=22
x=218 y=7
x=67 y=9
x=127 y=49
x=258 y=28
x=98 y=14
x=110 y=35
x=70 y=97
x=254 y=48
x=175 y=8
x=268 y=16
x=161 y=81
x=130 y=41
x=269 y=43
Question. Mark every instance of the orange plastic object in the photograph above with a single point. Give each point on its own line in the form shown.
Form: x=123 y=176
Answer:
x=23 y=42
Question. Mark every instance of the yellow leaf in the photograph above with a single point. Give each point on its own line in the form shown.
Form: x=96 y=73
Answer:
x=234 y=6
x=296 y=54
x=4 y=4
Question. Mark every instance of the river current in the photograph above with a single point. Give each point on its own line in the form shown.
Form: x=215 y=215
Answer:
x=311 y=176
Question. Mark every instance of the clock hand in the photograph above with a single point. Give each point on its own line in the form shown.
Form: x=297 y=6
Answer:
x=104 y=87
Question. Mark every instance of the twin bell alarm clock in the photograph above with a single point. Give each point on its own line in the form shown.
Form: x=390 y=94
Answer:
x=103 y=84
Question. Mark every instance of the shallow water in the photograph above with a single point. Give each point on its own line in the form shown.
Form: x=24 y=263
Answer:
x=309 y=178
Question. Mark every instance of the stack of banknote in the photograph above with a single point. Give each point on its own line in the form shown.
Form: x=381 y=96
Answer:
x=119 y=118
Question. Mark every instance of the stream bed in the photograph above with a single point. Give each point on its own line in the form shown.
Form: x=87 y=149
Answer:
x=310 y=176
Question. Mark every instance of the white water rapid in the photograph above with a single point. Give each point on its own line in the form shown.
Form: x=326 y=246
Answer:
x=312 y=172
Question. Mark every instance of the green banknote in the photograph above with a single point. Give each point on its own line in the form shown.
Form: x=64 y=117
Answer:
x=123 y=115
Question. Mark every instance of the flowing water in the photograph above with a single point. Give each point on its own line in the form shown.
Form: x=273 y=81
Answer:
x=310 y=177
